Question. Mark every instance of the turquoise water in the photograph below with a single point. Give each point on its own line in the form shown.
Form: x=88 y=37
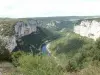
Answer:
x=44 y=50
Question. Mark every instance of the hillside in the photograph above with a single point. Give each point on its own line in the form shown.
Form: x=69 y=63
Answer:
x=14 y=29
x=73 y=44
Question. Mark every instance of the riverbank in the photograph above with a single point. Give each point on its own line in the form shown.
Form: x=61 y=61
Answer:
x=48 y=49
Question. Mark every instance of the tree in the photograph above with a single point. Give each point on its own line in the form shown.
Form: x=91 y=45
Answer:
x=98 y=43
x=4 y=53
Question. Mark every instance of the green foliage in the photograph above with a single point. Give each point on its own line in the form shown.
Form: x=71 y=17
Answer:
x=4 y=53
x=78 y=51
x=74 y=53
x=67 y=43
x=7 y=27
x=38 y=65
x=15 y=57
x=71 y=66
x=98 y=43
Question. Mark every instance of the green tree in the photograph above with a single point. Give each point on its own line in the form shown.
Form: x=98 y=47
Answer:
x=4 y=53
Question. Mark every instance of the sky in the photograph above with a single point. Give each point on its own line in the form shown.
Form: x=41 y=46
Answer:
x=46 y=8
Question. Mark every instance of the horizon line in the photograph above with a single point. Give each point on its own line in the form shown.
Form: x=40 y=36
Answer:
x=55 y=16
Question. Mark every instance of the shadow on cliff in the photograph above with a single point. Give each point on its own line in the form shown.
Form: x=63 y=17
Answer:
x=33 y=41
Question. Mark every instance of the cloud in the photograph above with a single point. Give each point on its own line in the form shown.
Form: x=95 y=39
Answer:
x=40 y=8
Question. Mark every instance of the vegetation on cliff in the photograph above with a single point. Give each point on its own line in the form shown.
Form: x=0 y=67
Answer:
x=72 y=54
x=4 y=53
x=7 y=27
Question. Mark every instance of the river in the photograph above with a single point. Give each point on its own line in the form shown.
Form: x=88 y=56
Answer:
x=45 y=50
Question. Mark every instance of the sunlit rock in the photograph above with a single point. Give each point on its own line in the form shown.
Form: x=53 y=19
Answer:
x=89 y=29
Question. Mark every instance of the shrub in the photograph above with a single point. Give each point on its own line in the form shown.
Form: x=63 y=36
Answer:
x=4 y=53
x=38 y=65
x=15 y=56
x=97 y=43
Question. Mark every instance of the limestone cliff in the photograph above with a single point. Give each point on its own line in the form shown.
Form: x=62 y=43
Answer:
x=88 y=28
x=20 y=29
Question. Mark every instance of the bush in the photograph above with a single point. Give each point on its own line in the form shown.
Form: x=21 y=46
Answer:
x=79 y=51
x=15 y=56
x=97 y=43
x=71 y=66
x=4 y=53
x=38 y=65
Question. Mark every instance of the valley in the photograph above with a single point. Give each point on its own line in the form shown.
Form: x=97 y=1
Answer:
x=50 y=46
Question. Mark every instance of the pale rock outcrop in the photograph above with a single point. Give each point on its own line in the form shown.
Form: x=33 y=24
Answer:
x=51 y=24
x=21 y=29
x=10 y=42
x=89 y=29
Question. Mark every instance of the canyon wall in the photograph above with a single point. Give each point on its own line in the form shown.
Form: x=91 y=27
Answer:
x=20 y=29
x=88 y=28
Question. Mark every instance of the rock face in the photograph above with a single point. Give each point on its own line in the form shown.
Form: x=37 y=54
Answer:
x=10 y=41
x=20 y=29
x=88 y=28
